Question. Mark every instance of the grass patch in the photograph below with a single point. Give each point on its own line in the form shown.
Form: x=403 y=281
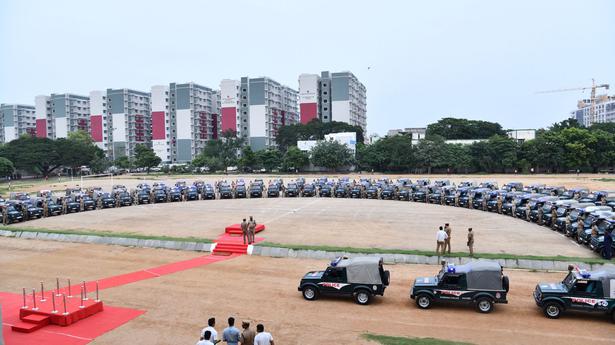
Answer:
x=492 y=256
x=103 y=233
x=604 y=179
x=387 y=340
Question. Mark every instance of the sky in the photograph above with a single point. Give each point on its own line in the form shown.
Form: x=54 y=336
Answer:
x=420 y=60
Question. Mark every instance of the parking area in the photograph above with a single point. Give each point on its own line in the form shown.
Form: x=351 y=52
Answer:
x=264 y=290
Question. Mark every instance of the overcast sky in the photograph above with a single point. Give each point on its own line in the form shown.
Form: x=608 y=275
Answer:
x=420 y=61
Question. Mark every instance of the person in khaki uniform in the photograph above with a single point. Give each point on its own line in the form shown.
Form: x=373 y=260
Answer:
x=251 y=230
x=24 y=211
x=64 y=206
x=553 y=217
x=470 y=200
x=99 y=204
x=247 y=334
x=527 y=212
x=514 y=209
x=471 y=241
x=539 y=220
x=580 y=226
x=81 y=204
x=45 y=209
x=499 y=204
x=244 y=231
x=5 y=215
x=456 y=199
x=447 y=242
x=485 y=203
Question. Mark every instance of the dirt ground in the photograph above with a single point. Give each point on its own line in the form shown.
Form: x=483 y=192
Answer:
x=328 y=221
x=264 y=290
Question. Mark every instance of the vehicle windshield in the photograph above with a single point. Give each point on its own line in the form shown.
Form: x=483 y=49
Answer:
x=569 y=281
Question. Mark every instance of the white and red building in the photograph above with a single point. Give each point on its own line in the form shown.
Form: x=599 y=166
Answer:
x=16 y=120
x=59 y=114
x=256 y=108
x=184 y=117
x=330 y=97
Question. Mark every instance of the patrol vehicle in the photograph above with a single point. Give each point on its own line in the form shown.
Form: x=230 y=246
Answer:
x=478 y=195
x=341 y=191
x=359 y=277
x=543 y=205
x=273 y=191
x=125 y=198
x=371 y=192
x=356 y=192
x=513 y=187
x=292 y=190
x=480 y=283
x=108 y=201
x=593 y=219
x=581 y=290
x=13 y=215
x=388 y=193
x=571 y=193
x=256 y=191
x=160 y=195
x=308 y=190
x=209 y=192
x=240 y=191
x=562 y=207
x=226 y=192
x=404 y=194
x=143 y=196
x=605 y=223
x=325 y=191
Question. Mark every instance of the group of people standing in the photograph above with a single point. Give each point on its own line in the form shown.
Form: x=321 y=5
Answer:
x=233 y=336
x=248 y=228
x=443 y=240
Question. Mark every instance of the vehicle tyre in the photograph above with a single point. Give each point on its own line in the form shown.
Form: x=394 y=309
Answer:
x=310 y=293
x=579 y=240
x=362 y=297
x=552 y=310
x=505 y=283
x=484 y=305
x=424 y=301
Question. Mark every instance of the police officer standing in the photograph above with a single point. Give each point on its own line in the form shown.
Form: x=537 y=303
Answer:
x=251 y=230
x=500 y=204
x=470 y=197
x=81 y=203
x=580 y=227
x=244 y=231
x=117 y=200
x=24 y=211
x=553 y=217
x=456 y=199
x=64 y=206
x=5 y=215
x=484 y=202
x=99 y=204
x=45 y=208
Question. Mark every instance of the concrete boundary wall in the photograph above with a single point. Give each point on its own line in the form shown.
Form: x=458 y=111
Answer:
x=543 y=265
x=119 y=241
x=277 y=252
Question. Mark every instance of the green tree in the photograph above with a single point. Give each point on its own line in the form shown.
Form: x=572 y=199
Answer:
x=248 y=158
x=295 y=159
x=454 y=128
x=123 y=162
x=331 y=155
x=32 y=154
x=431 y=153
x=6 y=167
x=222 y=153
x=269 y=159
x=314 y=130
x=145 y=157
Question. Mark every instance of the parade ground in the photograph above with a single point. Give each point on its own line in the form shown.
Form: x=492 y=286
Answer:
x=171 y=294
x=264 y=290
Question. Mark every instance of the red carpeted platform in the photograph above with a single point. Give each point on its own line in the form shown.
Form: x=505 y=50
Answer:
x=228 y=244
x=78 y=333
x=45 y=314
x=235 y=229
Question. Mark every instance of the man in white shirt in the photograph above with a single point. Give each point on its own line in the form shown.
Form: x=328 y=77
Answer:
x=211 y=323
x=262 y=337
x=441 y=237
x=205 y=339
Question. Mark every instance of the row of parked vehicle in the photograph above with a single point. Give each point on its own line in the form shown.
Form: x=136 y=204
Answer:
x=481 y=283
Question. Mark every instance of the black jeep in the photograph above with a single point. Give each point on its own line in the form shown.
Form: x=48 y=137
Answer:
x=208 y=192
x=13 y=215
x=341 y=191
x=292 y=190
x=125 y=198
x=226 y=192
x=256 y=191
x=404 y=194
x=371 y=192
x=325 y=191
x=478 y=282
x=581 y=290
x=308 y=190
x=143 y=196
x=388 y=193
x=360 y=277
x=273 y=191
x=240 y=191
x=356 y=192
x=160 y=195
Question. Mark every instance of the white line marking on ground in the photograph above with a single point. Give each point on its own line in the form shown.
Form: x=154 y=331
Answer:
x=150 y=272
x=291 y=211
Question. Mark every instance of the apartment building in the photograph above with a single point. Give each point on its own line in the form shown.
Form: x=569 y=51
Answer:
x=59 y=114
x=184 y=117
x=338 y=96
x=256 y=108
x=602 y=111
x=128 y=121
x=16 y=120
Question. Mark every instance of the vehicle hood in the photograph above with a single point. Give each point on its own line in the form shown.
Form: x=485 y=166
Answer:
x=316 y=275
x=552 y=288
x=426 y=281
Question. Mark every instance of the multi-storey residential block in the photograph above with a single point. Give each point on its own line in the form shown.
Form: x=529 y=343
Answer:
x=333 y=97
x=128 y=121
x=602 y=111
x=184 y=117
x=59 y=114
x=16 y=120
x=256 y=108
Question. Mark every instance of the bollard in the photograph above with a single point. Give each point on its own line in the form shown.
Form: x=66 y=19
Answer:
x=69 y=294
x=53 y=303
x=34 y=299
x=85 y=292
x=42 y=293
x=58 y=287
x=81 y=303
x=97 y=299
x=25 y=305
x=65 y=312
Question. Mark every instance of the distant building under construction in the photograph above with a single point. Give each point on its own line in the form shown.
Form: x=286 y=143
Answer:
x=602 y=111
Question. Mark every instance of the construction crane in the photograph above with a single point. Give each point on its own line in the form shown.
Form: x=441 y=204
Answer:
x=592 y=109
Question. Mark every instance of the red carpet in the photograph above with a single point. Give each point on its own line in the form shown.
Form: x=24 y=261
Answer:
x=236 y=229
x=79 y=333
x=95 y=324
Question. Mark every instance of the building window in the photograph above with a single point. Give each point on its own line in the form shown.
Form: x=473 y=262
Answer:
x=325 y=108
